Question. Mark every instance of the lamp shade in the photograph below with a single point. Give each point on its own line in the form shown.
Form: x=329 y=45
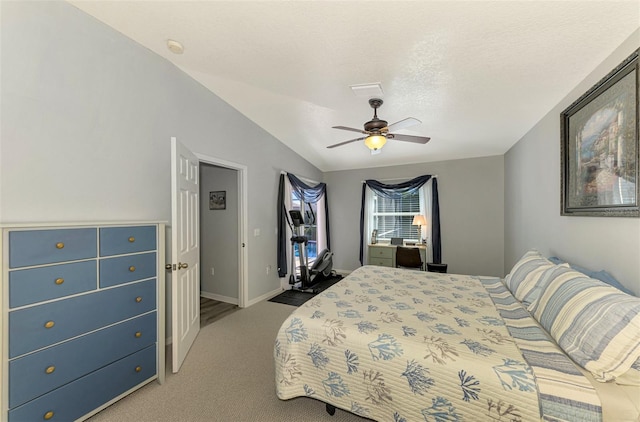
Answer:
x=375 y=142
x=419 y=220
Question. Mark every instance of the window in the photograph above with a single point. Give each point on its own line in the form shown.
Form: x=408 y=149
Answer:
x=310 y=214
x=393 y=217
x=311 y=201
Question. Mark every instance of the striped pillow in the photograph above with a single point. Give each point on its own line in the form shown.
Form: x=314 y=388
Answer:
x=597 y=325
x=632 y=376
x=524 y=276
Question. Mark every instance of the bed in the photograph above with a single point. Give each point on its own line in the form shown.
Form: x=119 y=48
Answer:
x=399 y=345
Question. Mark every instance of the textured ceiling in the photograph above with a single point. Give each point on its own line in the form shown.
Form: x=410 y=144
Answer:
x=478 y=74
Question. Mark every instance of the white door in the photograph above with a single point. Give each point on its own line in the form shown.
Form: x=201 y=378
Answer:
x=185 y=257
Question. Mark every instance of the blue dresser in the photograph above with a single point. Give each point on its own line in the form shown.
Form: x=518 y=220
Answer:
x=82 y=317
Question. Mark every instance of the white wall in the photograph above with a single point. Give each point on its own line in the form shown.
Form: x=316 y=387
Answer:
x=87 y=117
x=219 y=241
x=532 y=199
x=471 y=211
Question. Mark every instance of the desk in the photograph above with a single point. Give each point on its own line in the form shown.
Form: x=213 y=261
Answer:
x=384 y=254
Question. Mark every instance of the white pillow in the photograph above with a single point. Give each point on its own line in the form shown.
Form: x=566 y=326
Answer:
x=597 y=325
x=524 y=276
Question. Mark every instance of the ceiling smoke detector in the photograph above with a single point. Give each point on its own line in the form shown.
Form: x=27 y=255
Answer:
x=175 y=47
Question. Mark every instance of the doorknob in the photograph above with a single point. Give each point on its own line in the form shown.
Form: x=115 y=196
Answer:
x=182 y=265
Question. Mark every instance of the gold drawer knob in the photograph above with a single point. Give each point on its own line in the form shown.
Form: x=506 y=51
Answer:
x=59 y=245
x=138 y=368
x=132 y=239
x=132 y=268
x=138 y=334
x=49 y=324
x=59 y=281
x=48 y=415
x=50 y=369
x=139 y=299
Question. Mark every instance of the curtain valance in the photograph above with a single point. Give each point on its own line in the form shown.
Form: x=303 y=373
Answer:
x=307 y=193
x=398 y=190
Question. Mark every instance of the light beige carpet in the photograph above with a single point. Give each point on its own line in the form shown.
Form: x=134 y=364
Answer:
x=227 y=376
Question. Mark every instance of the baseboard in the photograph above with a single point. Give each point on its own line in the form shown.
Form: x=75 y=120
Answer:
x=265 y=296
x=219 y=298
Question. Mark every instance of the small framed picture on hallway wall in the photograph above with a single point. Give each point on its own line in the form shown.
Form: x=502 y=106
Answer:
x=218 y=200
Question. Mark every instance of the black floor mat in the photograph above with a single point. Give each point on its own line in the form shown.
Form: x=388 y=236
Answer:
x=296 y=297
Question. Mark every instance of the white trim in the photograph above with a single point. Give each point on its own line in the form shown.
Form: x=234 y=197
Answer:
x=265 y=296
x=219 y=298
x=82 y=224
x=243 y=218
x=161 y=301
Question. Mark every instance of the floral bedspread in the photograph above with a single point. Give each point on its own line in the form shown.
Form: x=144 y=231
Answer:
x=399 y=345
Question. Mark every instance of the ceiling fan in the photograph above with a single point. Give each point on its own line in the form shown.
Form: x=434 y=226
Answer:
x=377 y=130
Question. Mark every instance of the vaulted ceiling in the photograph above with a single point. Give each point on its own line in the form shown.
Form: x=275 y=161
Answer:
x=477 y=74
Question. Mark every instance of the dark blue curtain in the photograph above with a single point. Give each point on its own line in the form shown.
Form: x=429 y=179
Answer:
x=396 y=191
x=435 y=223
x=307 y=194
x=282 y=230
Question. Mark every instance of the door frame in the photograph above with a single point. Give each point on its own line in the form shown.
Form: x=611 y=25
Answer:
x=243 y=221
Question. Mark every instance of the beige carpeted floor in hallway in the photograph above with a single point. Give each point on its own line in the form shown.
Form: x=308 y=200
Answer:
x=227 y=376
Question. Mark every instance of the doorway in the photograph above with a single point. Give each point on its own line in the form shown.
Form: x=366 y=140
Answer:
x=219 y=233
x=222 y=222
x=184 y=280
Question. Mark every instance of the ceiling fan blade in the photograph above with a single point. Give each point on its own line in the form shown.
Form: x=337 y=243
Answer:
x=350 y=129
x=404 y=123
x=345 y=142
x=408 y=138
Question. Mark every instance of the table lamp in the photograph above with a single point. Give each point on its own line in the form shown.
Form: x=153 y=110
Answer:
x=419 y=220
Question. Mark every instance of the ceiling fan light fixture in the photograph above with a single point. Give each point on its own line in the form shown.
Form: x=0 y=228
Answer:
x=377 y=130
x=375 y=142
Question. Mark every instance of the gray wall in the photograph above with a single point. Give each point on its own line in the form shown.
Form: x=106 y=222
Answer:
x=532 y=199
x=219 y=238
x=471 y=195
x=87 y=117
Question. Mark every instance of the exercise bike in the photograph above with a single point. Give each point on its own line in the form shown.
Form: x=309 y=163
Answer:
x=303 y=278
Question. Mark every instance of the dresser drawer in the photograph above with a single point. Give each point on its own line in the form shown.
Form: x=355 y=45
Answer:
x=124 y=269
x=71 y=317
x=38 y=373
x=123 y=240
x=35 y=247
x=382 y=262
x=38 y=284
x=381 y=252
x=80 y=397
